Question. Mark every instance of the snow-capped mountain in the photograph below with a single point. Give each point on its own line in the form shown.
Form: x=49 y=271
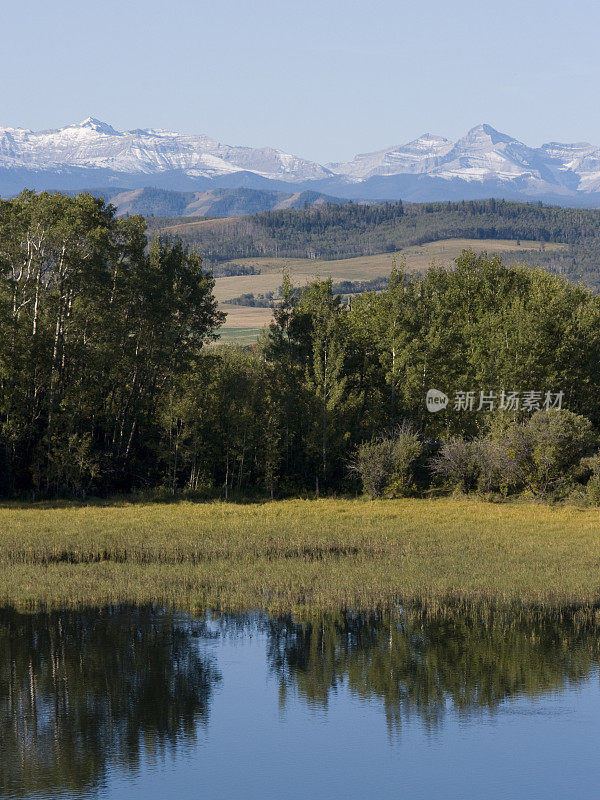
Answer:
x=482 y=163
x=484 y=153
x=418 y=156
x=484 y=156
x=96 y=145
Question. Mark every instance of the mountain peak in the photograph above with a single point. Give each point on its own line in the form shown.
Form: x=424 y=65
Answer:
x=97 y=125
x=485 y=133
x=486 y=128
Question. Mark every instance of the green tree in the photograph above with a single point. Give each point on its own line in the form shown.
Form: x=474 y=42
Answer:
x=94 y=329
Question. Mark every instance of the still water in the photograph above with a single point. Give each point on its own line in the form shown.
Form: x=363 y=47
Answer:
x=131 y=702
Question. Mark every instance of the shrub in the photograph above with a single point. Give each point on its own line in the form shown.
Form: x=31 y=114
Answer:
x=406 y=451
x=496 y=467
x=458 y=462
x=592 y=490
x=481 y=464
x=591 y=466
x=547 y=450
x=386 y=464
x=374 y=463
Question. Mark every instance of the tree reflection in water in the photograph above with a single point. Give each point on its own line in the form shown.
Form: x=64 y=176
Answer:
x=419 y=663
x=80 y=689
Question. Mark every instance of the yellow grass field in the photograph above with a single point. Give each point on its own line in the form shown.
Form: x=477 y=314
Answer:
x=303 y=270
x=243 y=324
x=300 y=553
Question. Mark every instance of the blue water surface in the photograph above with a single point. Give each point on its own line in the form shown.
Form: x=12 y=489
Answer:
x=342 y=706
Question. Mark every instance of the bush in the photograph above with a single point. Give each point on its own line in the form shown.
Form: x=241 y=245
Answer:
x=592 y=490
x=547 y=450
x=467 y=465
x=496 y=467
x=386 y=464
x=374 y=463
x=407 y=450
x=543 y=455
x=591 y=467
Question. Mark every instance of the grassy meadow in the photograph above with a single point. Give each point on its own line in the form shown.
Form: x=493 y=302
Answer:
x=293 y=554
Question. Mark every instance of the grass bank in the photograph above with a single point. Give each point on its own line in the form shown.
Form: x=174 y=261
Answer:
x=289 y=554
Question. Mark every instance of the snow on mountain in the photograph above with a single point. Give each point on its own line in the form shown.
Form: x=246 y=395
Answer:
x=484 y=154
x=93 y=144
x=418 y=156
x=581 y=159
x=484 y=162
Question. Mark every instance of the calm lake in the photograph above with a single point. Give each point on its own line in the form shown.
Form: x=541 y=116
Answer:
x=128 y=702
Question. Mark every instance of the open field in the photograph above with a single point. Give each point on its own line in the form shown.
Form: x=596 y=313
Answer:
x=247 y=316
x=244 y=324
x=285 y=555
x=303 y=270
x=238 y=335
x=418 y=259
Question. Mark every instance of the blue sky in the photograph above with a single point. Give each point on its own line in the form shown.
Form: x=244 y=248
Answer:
x=324 y=80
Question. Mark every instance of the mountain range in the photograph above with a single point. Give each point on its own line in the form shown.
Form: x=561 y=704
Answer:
x=483 y=163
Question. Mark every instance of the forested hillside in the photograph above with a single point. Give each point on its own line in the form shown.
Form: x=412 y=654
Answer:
x=331 y=232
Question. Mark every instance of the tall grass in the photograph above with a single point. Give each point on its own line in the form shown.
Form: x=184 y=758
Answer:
x=291 y=554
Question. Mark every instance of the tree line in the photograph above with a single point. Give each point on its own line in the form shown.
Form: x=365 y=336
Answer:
x=343 y=288
x=106 y=384
x=330 y=381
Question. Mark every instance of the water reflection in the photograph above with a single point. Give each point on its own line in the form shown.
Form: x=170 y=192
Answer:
x=85 y=692
x=81 y=689
x=418 y=662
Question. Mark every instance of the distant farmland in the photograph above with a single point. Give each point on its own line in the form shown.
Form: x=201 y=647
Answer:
x=302 y=270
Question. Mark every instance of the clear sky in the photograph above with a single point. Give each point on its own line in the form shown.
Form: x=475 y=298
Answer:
x=324 y=79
